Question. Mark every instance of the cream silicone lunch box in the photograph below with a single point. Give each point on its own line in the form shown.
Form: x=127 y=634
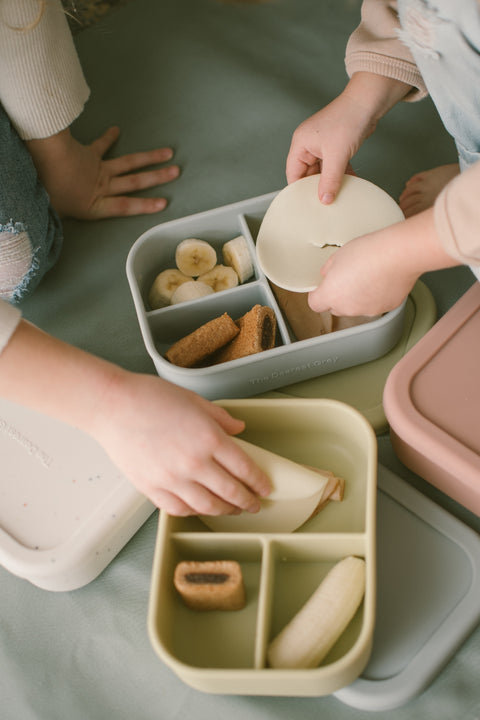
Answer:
x=290 y=361
x=225 y=652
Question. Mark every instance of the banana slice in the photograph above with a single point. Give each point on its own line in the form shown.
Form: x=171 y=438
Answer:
x=221 y=277
x=317 y=626
x=164 y=286
x=191 y=290
x=194 y=257
x=236 y=253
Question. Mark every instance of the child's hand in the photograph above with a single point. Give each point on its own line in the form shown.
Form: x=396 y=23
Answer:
x=374 y=273
x=172 y=444
x=175 y=448
x=81 y=184
x=362 y=278
x=326 y=142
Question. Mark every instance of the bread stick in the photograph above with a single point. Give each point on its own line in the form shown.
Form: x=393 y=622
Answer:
x=194 y=348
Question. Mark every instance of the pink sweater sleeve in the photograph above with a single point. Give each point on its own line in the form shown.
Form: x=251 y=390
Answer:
x=457 y=216
x=376 y=47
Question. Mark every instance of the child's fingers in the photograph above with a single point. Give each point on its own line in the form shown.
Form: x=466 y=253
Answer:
x=228 y=423
x=191 y=499
x=317 y=302
x=123 y=206
x=238 y=464
x=135 y=161
x=172 y=504
x=316 y=298
x=119 y=185
x=300 y=163
x=216 y=493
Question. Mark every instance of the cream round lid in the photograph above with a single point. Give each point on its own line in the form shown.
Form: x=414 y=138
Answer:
x=298 y=233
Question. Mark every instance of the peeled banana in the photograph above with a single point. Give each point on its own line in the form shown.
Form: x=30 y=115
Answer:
x=194 y=257
x=221 y=277
x=164 y=286
x=190 y=290
x=236 y=254
x=317 y=626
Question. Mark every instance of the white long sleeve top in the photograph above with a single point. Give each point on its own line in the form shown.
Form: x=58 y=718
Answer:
x=42 y=85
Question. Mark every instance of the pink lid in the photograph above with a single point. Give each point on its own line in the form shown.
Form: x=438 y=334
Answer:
x=432 y=402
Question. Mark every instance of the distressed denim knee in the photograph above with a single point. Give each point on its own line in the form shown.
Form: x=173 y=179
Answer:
x=30 y=230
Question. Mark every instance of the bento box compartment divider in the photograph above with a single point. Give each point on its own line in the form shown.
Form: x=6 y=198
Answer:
x=264 y=611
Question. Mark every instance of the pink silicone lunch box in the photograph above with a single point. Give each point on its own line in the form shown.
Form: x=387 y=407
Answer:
x=432 y=403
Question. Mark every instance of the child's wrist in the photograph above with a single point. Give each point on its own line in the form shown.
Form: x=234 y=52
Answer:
x=377 y=94
x=57 y=146
x=416 y=247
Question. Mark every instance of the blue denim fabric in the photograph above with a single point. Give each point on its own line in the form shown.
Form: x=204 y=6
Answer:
x=25 y=207
x=444 y=38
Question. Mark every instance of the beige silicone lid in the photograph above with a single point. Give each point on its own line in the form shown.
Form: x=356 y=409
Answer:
x=66 y=510
x=298 y=233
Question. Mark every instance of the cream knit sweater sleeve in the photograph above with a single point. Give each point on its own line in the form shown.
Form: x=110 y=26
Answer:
x=42 y=86
x=376 y=47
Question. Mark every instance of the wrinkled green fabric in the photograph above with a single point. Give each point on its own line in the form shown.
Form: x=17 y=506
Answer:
x=225 y=85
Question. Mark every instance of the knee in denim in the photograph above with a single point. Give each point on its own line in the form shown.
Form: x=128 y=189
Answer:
x=18 y=265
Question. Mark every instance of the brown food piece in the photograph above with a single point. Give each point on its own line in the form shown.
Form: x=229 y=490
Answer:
x=210 y=585
x=192 y=349
x=305 y=323
x=257 y=333
x=334 y=489
x=341 y=323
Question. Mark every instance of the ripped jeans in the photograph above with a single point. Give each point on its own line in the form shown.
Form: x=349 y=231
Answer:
x=444 y=39
x=30 y=229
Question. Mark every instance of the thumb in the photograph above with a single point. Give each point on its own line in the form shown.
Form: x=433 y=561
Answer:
x=105 y=141
x=331 y=178
x=316 y=299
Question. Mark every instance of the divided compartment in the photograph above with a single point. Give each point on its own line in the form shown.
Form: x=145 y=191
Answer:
x=172 y=323
x=226 y=651
x=209 y=639
x=289 y=361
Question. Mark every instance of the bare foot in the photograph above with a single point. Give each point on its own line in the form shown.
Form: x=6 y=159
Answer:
x=422 y=189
